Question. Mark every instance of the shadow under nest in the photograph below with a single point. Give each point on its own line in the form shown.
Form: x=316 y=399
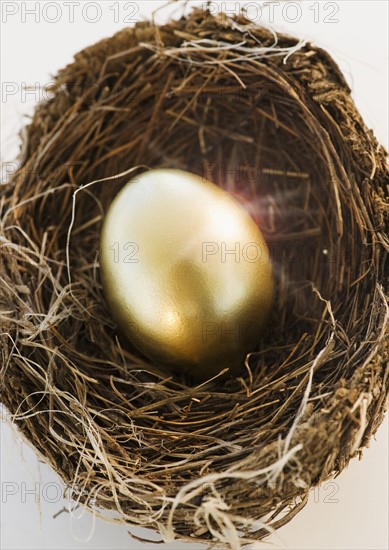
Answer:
x=273 y=123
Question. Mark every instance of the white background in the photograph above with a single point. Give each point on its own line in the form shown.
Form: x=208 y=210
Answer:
x=350 y=512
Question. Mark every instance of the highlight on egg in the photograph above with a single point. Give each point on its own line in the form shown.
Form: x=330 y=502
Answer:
x=186 y=272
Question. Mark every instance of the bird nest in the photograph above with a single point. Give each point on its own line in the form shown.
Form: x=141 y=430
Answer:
x=270 y=119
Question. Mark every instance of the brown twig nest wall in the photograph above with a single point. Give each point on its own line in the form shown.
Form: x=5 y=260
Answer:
x=271 y=120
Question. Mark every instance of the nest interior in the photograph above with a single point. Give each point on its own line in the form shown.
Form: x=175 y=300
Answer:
x=271 y=120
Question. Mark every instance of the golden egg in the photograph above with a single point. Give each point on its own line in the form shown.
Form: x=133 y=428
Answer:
x=186 y=272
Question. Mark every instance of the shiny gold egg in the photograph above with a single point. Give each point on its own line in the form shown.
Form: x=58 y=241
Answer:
x=186 y=272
